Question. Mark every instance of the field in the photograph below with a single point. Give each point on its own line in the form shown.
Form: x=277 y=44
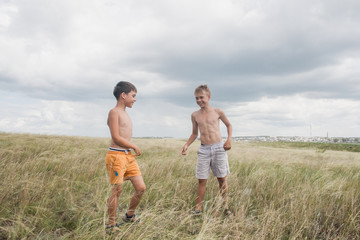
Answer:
x=56 y=187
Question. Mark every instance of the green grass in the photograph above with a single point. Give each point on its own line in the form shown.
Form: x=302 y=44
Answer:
x=56 y=187
x=349 y=147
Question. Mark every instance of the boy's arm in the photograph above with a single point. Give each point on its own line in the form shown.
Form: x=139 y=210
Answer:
x=193 y=135
x=113 y=122
x=223 y=118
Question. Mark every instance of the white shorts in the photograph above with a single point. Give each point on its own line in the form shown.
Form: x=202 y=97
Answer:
x=212 y=156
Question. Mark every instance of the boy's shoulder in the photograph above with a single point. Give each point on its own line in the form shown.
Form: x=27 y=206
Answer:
x=196 y=113
x=113 y=111
x=116 y=111
x=218 y=110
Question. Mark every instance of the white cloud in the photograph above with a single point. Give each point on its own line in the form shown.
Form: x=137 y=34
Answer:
x=154 y=118
x=52 y=117
x=293 y=115
x=6 y=13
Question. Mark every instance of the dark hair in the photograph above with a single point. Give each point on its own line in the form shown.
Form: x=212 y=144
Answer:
x=125 y=87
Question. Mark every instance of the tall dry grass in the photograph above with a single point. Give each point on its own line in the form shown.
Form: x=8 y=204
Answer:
x=56 y=188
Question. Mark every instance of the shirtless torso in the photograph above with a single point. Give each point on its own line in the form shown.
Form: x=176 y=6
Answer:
x=120 y=124
x=123 y=124
x=207 y=121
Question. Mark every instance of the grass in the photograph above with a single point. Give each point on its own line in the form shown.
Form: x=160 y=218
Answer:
x=55 y=187
x=349 y=147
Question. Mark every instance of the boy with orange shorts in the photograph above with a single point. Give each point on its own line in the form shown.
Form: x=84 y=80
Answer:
x=120 y=162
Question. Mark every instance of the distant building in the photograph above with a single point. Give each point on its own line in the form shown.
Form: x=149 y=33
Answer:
x=354 y=140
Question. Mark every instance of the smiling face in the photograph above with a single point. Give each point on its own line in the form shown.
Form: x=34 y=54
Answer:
x=202 y=98
x=129 y=98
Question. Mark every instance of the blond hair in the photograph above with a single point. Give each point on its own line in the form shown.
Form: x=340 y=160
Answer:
x=202 y=88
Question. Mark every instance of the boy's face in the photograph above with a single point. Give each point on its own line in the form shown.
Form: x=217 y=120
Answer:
x=129 y=98
x=202 y=98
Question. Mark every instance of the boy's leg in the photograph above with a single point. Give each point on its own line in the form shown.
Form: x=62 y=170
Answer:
x=200 y=193
x=140 y=188
x=220 y=168
x=112 y=203
x=224 y=191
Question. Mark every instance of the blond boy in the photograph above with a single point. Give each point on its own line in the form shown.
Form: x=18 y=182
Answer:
x=212 y=153
x=120 y=162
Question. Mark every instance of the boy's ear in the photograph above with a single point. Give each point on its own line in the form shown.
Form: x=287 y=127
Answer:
x=122 y=95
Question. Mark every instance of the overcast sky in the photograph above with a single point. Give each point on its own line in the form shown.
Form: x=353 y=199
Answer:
x=276 y=67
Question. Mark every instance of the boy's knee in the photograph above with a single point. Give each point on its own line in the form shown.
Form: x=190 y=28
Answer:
x=222 y=182
x=202 y=181
x=141 y=189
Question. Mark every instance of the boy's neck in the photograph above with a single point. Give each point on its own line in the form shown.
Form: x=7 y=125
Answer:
x=206 y=108
x=121 y=105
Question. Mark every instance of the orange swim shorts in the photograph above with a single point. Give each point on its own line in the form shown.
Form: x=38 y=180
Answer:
x=121 y=166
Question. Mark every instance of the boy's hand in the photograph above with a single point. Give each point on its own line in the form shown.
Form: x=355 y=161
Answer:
x=183 y=151
x=137 y=151
x=227 y=145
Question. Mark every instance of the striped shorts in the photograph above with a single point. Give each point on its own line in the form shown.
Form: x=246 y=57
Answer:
x=212 y=157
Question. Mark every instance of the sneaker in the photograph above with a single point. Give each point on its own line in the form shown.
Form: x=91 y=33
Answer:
x=130 y=219
x=195 y=212
x=113 y=228
x=228 y=213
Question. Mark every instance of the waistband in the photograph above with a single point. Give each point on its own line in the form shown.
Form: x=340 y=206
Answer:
x=212 y=145
x=120 y=150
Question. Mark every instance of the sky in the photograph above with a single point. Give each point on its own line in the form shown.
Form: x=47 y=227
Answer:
x=275 y=67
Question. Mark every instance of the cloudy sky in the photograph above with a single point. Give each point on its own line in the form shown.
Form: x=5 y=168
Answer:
x=276 y=67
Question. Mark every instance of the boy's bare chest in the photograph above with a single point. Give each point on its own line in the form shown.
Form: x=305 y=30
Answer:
x=206 y=119
x=125 y=121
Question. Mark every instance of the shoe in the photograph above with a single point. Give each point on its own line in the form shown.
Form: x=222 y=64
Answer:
x=130 y=219
x=227 y=212
x=113 y=228
x=116 y=225
x=195 y=212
